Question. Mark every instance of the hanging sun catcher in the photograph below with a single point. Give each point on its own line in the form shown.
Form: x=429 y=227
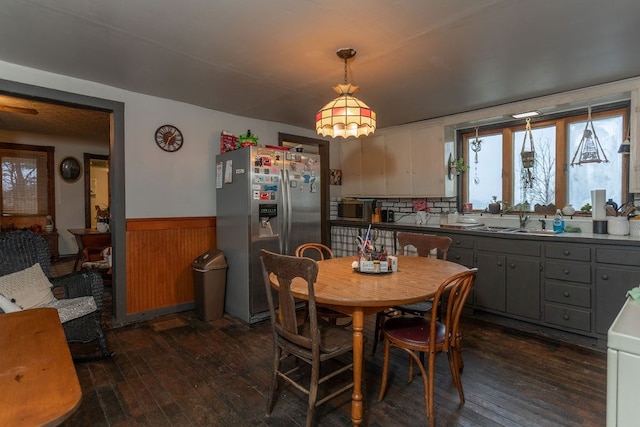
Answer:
x=476 y=146
x=589 y=147
x=528 y=158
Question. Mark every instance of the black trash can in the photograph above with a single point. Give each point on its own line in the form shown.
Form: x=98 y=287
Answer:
x=209 y=280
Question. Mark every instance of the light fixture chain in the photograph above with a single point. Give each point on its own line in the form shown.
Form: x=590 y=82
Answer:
x=345 y=70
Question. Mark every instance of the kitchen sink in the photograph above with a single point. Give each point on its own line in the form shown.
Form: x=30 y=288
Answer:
x=513 y=230
x=532 y=232
x=492 y=229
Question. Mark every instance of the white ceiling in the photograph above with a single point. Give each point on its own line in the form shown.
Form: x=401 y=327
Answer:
x=275 y=60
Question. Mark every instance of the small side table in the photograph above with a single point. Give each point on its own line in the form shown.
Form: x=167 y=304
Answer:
x=52 y=241
x=88 y=238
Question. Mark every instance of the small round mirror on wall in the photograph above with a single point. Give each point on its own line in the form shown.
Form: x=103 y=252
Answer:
x=70 y=169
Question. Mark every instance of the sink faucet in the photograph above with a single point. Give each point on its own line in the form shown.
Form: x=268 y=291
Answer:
x=543 y=224
x=523 y=220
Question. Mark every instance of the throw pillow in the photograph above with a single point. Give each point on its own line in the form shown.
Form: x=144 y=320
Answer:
x=69 y=309
x=27 y=288
x=7 y=306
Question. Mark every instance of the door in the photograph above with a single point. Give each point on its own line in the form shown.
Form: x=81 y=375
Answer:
x=321 y=147
x=96 y=187
x=490 y=286
x=523 y=287
x=301 y=200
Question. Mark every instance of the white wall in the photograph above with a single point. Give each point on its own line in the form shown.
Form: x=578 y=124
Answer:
x=160 y=184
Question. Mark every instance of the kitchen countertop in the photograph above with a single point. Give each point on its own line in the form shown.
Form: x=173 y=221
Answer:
x=583 y=237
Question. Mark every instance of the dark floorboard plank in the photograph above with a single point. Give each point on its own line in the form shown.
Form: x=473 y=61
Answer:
x=217 y=374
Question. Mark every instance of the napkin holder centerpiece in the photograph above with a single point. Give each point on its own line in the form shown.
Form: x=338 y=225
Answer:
x=375 y=262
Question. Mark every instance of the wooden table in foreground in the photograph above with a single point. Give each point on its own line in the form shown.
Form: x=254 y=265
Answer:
x=38 y=381
x=88 y=237
x=360 y=294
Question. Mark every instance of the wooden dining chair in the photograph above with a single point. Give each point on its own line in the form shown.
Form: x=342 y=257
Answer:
x=419 y=334
x=424 y=244
x=319 y=252
x=313 y=341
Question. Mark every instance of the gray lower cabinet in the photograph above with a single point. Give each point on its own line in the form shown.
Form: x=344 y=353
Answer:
x=573 y=286
x=568 y=287
x=508 y=277
x=490 y=286
x=461 y=250
x=617 y=271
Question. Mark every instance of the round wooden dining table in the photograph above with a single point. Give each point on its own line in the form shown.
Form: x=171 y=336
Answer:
x=357 y=294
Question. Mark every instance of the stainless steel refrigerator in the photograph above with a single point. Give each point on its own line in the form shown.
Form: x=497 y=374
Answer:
x=266 y=198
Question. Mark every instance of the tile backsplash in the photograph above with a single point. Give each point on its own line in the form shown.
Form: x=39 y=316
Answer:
x=403 y=207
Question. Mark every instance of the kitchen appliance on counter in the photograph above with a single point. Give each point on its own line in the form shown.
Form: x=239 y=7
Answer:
x=267 y=198
x=355 y=210
x=388 y=215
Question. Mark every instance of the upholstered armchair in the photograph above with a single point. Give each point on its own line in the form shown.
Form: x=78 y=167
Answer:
x=21 y=250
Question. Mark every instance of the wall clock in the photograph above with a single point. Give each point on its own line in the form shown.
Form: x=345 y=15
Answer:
x=169 y=138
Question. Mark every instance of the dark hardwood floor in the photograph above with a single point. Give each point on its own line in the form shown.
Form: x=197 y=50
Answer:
x=180 y=371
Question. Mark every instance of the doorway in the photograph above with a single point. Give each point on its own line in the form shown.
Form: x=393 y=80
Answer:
x=116 y=172
x=96 y=187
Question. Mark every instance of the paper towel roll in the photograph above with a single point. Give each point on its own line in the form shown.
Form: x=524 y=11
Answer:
x=598 y=200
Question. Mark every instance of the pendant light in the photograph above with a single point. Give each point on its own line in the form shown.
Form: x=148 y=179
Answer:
x=346 y=115
x=589 y=147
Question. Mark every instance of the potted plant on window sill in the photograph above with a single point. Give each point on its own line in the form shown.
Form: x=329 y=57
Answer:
x=494 y=205
x=456 y=166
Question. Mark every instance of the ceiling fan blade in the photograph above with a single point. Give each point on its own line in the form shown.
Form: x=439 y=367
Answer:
x=18 y=110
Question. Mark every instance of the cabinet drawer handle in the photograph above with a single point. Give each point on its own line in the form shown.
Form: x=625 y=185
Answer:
x=458 y=242
x=512 y=265
x=605 y=277
x=565 y=271
x=567 y=253
x=566 y=316
x=499 y=263
x=566 y=294
x=457 y=256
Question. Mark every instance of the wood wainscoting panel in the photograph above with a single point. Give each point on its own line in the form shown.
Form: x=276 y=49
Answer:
x=159 y=256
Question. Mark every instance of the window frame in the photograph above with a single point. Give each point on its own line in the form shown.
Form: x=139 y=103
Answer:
x=563 y=158
x=50 y=176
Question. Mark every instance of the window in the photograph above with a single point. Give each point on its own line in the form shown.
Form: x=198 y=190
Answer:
x=497 y=168
x=27 y=180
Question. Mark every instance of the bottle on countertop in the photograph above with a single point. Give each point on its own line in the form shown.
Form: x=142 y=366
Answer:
x=558 y=222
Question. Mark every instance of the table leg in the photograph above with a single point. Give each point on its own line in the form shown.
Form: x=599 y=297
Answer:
x=358 y=349
x=78 y=258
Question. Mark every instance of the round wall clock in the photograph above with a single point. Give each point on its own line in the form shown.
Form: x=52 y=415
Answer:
x=169 y=138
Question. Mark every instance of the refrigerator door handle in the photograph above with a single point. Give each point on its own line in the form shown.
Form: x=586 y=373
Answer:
x=286 y=228
x=289 y=251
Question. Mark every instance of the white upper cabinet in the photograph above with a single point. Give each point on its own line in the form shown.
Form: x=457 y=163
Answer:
x=350 y=162
x=372 y=151
x=397 y=166
x=430 y=154
x=406 y=163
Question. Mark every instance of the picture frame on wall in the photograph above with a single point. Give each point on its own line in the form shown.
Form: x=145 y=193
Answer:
x=70 y=169
x=336 y=176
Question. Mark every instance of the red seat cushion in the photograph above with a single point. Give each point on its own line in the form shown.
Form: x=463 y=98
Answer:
x=413 y=329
